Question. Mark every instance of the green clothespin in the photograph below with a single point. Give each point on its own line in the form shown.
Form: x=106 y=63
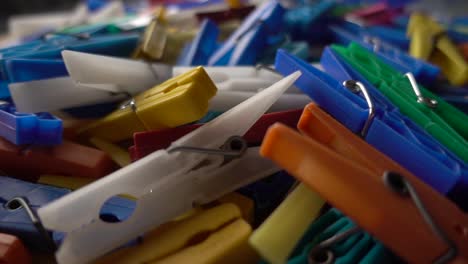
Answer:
x=440 y=119
x=356 y=247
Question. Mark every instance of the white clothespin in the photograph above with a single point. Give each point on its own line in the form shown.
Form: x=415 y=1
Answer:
x=166 y=183
x=93 y=79
x=237 y=84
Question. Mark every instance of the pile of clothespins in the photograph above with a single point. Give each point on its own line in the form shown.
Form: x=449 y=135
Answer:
x=235 y=132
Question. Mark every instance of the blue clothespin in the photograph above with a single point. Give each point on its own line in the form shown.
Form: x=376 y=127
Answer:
x=423 y=71
x=199 y=50
x=268 y=194
x=303 y=23
x=23 y=128
x=15 y=220
x=246 y=44
x=48 y=51
x=347 y=243
x=379 y=123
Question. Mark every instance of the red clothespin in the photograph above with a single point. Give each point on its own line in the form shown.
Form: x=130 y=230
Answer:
x=68 y=159
x=376 y=14
x=12 y=250
x=148 y=142
x=226 y=15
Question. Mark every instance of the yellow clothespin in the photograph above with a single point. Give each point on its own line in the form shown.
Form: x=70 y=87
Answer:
x=430 y=42
x=180 y=100
x=117 y=154
x=276 y=238
x=154 y=38
x=216 y=235
x=67 y=182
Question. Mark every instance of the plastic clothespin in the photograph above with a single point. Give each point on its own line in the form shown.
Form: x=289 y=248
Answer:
x=20 y=200
x=117 y=154
x=334 y=237
x=443 y=121
x=49 y=50
x=155 y=37
x=65 y=159
x=180 y=100
x=423 y=71
x=172 y=244
x=245 y=45
x=12 y=250
x=276 y=238
x=198 y=51
x=430 y=42
x=91 y=81
x=148 y=142
x=29 y=129
x=158 y=181
x=226 y=15
x=67 y=182
x=240 y=78
x=377 y=120
x=416 y=222
x=376 y=14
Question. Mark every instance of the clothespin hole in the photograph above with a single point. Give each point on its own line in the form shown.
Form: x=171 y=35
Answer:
x=13 y=205
x=321 y=256
x=395 y=182
x=237 y=143
x=116 y=217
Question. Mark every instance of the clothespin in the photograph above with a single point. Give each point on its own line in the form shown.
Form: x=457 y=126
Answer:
x=117 y=154
x=200 y=177
x=67 y=182
x=154 y=37
x=225 y=241
x=375 y=118
x=13 y=251
x=334 y=237
x=375 y=14
x=20 y=200
x=423 y=71
x=245 y=45
x=275 y=239
x=198 y=51
x=180 y=100
x=416 y=222
x=437 y=117
x=148 y=142
x=65 y=159
x=50 y=49
x=430 y=42
x=22 y=128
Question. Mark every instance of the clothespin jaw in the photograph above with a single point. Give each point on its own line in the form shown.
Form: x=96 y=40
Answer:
x=22 y=128
x=180 y=100
x=331 y=158
x=13 y=251
x=429 y=41
x=245 y=45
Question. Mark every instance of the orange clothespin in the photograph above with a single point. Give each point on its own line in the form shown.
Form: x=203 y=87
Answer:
x=12 y=250
x=378 y=194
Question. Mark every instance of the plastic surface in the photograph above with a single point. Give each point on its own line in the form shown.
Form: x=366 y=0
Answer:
x=422 y=155
x=88 y=238
x=12 y=250
x=444 y=122
x=329 y=157
x=428 y=44
x=275 y=239
x=180 y=100
x=172 y=244
x=18 y=223
x=65 y=159
x=36 y=129
x=245 y=45
x=148 y=142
